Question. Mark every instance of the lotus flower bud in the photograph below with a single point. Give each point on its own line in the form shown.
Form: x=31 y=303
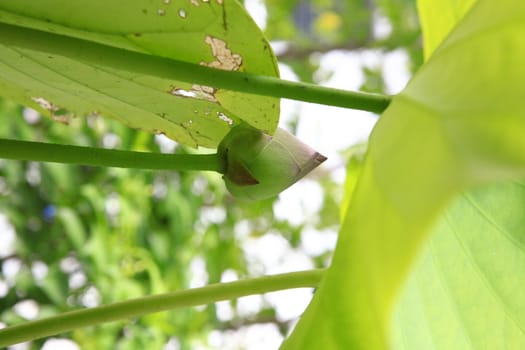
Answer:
x=259 y=166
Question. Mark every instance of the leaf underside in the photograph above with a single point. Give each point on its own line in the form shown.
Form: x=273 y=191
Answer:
x=466 y=290
x=457 y=128
x=218 y=34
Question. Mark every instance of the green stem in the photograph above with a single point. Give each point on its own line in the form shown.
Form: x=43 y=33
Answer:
x=121 y=59
x=150 y=304
x=48 y=152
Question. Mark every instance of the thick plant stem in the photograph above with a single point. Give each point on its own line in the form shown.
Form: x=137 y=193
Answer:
x=146 y=305
x=48 y=152
x=121 y=59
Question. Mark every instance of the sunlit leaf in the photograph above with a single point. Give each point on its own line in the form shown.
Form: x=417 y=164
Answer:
x=459 y=123
x=438 y=18
x=216 y=33
x=466 y=292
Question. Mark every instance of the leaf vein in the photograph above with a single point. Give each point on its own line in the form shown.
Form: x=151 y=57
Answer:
x=482 y=276
x=447 y=291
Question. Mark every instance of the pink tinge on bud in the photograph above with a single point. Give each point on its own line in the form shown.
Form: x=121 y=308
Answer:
x=259 y=166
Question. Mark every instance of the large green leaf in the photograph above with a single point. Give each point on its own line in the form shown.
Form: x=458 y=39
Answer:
x=215 y=33
x=467 y=290
x=459 y=123
x=438 y=18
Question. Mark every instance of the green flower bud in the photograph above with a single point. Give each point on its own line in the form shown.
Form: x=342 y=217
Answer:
x=259 y=166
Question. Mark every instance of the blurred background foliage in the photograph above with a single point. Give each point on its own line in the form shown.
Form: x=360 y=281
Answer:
x=305 y=29
x=76 y=236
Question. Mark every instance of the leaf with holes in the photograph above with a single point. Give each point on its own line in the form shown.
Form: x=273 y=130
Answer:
x=43 y=48
x=458 y=126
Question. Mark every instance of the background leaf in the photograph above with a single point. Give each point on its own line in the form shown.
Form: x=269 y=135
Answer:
x=441 y=135
x=214 y=33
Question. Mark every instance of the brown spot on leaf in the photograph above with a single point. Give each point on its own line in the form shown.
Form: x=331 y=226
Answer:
x=64 y=119
x=204 y=92
x=225 y=58
x=225 y=118
x=45 y=104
